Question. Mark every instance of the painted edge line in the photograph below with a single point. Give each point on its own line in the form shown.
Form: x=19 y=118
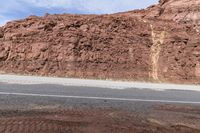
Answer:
x=98 y=98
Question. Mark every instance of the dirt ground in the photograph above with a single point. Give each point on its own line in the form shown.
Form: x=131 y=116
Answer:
x=163 y=119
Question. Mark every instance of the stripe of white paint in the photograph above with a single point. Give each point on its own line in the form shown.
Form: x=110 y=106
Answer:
x=98 y=98
x=15 y=79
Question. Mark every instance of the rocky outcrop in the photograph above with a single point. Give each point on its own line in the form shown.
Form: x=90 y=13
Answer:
x=180 y=11
x=183 y=11
x=144 y=45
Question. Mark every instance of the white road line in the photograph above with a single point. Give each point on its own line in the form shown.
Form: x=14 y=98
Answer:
x=98 y=98
x=16 y=79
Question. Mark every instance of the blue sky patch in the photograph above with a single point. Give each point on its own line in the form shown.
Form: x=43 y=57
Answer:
x=17 y=9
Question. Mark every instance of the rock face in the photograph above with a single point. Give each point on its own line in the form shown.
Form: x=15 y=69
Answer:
x=160 y=43
x=180 y=11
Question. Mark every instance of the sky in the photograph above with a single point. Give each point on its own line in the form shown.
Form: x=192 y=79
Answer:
x=19 y=9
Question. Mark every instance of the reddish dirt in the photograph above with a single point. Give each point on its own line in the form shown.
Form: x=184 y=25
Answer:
x=160 y=44
x=90 y=121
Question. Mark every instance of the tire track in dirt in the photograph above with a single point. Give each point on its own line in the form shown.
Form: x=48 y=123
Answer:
x=84 y=121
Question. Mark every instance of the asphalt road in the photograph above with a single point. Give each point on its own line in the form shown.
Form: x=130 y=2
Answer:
x=32 y=101
x=25 y=96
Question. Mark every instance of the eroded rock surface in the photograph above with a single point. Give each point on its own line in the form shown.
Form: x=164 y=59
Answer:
x=160 y=43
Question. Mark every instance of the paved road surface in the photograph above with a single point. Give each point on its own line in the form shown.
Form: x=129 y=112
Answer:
x=37 y=104
x=17 y=94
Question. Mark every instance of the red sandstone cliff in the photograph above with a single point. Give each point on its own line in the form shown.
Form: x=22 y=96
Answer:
x=160 y=43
